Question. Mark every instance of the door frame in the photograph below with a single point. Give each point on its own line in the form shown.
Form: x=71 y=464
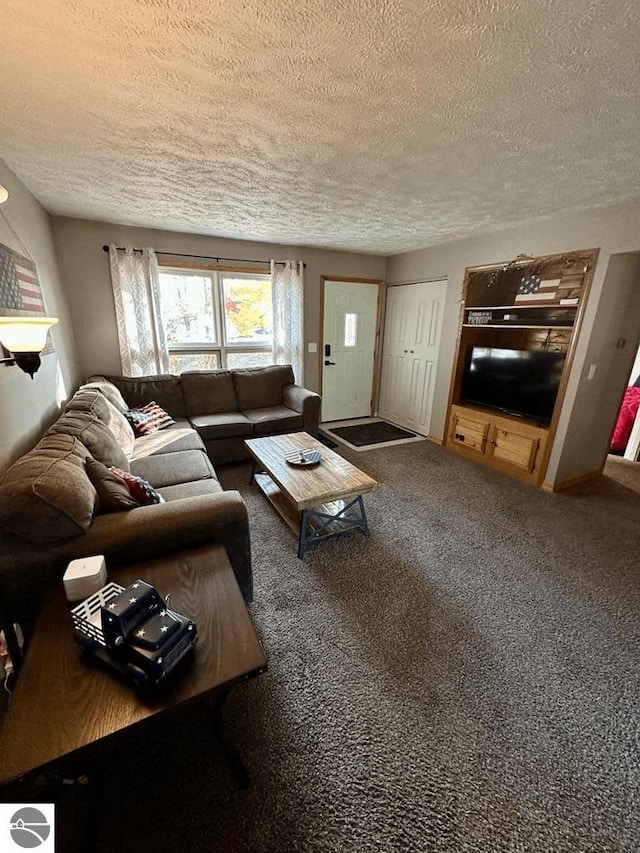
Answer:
x=375 y=377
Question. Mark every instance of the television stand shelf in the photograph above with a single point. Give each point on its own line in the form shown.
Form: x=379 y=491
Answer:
x=509 y=325
x=529 y=305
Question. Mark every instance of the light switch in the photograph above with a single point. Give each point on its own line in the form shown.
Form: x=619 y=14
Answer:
x=592 y=371
x=313 y=347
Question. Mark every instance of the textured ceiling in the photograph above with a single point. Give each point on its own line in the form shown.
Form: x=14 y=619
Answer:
x=370 y=125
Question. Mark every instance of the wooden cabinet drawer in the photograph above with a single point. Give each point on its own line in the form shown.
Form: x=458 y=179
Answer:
x=515 y=448
x=469 y=432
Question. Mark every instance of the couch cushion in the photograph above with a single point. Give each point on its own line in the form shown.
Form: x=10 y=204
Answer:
x=208 y=392
x=173 y=468
x=113 y=492
x=191 y=490
x=223 y=425
x=109 y=390
x=91 y=399
x=274 y=419
x=258 y=387
x=94 y=434
x=179 y=436
x=165 y=389
x=46 y=495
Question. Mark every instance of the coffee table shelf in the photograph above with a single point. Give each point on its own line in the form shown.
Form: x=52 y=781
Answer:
x=318 y=503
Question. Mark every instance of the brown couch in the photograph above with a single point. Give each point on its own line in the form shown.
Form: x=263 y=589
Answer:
x=50 y=512
x=228 y=406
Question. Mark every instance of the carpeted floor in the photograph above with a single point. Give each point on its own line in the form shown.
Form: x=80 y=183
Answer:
x=466 y=680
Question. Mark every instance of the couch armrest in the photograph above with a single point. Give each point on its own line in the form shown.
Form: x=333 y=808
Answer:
x=306 y=402
x=148 y=531
x=28 y=570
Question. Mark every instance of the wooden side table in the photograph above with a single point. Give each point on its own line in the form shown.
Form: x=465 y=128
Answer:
x=63 y=703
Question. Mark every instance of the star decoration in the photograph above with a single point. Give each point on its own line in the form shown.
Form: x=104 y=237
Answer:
x=136 y=585
x=132 y=600
x=141 y=633
x=112 y=606
x=164 y=629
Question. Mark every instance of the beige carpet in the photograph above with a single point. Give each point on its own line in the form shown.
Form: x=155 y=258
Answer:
x=465 y=680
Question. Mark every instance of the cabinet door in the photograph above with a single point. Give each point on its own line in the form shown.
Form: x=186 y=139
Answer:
x=469 y=430
x=515 y=448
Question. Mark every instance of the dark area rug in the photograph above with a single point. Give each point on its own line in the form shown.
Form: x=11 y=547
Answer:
x=377 y=432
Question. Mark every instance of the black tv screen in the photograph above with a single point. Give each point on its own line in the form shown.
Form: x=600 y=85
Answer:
x=515 y=381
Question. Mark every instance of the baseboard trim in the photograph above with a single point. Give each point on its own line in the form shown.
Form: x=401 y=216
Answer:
x=566 y=484
x=434 y=440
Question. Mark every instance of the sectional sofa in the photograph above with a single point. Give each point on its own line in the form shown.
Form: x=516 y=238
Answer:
x=49 y=508
x=227 y=406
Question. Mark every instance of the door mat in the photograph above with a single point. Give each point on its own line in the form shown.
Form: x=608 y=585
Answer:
x=378 y=432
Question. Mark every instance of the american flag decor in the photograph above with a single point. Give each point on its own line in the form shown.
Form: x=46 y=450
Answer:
x=20 y=294
x=533 y=290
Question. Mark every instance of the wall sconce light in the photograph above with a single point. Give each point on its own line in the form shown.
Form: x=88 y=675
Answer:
x=24 y=338
x=4 y=194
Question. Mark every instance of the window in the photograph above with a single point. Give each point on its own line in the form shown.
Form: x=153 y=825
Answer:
x=216 y=319
x=350 y=326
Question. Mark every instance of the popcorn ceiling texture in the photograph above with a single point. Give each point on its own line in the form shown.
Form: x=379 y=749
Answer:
x=368 y=125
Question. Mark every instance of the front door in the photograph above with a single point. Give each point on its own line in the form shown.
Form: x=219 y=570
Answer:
x=412 y=326
x=350 y=320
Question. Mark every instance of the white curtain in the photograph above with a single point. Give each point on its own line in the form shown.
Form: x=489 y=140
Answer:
x=136 y=292
x=287 y=293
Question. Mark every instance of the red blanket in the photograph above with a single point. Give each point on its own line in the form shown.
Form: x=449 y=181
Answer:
x=626 y=417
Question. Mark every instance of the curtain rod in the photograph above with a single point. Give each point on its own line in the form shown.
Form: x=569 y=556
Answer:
x=203 y=257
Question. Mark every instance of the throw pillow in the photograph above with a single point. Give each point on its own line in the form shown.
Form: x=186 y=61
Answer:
x=113 y=492
x=148 y=419
x=141 y=490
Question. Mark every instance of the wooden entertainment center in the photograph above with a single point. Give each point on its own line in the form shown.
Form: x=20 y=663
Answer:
x=532 y=304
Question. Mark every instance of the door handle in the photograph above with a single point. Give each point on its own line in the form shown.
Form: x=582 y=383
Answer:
x=330 y=362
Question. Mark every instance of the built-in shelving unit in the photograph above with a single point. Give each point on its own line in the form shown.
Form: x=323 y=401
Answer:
x=527 y=304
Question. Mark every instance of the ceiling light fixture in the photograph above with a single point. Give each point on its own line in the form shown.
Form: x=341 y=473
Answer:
x=24 y=338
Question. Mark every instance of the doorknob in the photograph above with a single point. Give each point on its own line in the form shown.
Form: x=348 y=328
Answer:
x=330 y=362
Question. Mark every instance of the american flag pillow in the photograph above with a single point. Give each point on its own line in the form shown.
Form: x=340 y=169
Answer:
x=148 y=419
x=139 y=489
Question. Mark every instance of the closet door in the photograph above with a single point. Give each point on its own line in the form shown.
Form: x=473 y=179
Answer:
x=413 y=326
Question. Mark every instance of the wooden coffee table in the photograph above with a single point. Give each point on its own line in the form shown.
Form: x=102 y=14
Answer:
x=62 y=703
x=319 y=502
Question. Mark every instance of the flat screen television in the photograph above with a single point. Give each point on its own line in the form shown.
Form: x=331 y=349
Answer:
x=518 y=382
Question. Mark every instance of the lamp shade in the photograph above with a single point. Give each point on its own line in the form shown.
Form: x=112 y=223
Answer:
x=25 y=334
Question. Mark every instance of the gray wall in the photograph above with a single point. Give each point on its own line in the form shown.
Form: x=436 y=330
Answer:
x=28 y=406
x=85 y=270
x=612 y=348
x=613 y=230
